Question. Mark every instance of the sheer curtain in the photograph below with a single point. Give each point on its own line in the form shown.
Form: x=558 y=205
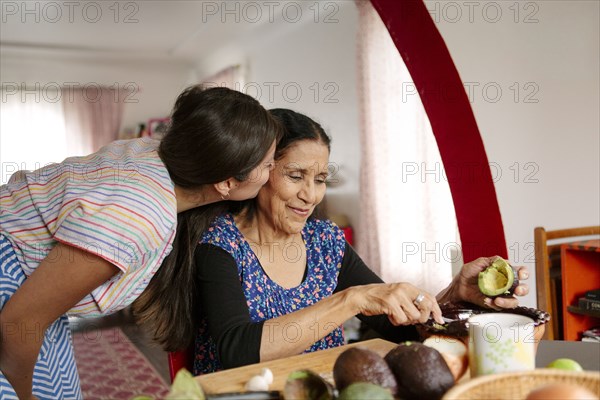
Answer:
x=230 y=77
x=37 y=129
x=92 y=117
x=32 y=132
x=407 y=227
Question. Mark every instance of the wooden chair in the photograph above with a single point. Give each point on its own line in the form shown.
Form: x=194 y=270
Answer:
x=548 y=272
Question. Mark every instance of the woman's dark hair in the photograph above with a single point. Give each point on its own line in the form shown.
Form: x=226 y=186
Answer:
x=296 y=127
x=214 y=134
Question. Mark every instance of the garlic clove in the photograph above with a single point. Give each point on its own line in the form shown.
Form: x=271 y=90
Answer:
x=267 y=374
x=257 y=383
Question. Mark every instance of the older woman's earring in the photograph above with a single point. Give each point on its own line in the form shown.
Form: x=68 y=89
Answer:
x=226 y=197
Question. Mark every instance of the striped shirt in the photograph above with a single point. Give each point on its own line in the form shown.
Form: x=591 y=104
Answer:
x=118 y=203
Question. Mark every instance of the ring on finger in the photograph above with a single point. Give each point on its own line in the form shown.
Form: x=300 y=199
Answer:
x=420 y=297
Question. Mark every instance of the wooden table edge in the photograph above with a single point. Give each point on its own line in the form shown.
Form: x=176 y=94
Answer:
x=321 y=362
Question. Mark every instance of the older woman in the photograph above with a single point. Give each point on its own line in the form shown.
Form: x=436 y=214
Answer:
x=274 y=282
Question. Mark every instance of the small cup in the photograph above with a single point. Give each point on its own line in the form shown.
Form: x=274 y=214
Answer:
x=501 y=342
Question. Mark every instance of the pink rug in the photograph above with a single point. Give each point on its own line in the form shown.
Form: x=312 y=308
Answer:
x=111 y=367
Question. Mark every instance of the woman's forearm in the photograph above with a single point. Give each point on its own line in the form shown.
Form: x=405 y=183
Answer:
x=19 y=349
x=42 y=298
x=293 y=333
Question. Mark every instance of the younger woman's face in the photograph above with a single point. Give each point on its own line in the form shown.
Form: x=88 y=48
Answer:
x=249 y=188
x=296 y=186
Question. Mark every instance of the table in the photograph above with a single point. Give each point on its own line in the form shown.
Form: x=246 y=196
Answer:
x=321 y=362
x=585 y=353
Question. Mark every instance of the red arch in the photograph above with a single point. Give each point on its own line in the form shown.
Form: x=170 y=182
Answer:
x=445 y=100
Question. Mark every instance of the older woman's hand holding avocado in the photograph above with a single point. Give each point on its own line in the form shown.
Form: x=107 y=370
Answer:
x=465 y=285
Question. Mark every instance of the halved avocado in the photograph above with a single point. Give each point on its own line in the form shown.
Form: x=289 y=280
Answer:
x=305 y=384
x=499 y=279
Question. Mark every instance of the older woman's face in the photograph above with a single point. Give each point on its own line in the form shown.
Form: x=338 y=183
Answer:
x=295 y=186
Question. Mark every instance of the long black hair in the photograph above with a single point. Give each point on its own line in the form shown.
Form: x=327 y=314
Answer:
x=214 y=134
x=295 y=127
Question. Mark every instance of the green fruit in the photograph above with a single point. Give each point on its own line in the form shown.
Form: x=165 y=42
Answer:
x=185 y=386
x=498 y=279
x=364 y=390
x=565 y=363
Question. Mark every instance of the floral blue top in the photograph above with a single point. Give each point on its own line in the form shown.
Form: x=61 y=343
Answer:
x=325 y=245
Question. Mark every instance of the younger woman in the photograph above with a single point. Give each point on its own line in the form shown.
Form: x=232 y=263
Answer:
x=87 y=235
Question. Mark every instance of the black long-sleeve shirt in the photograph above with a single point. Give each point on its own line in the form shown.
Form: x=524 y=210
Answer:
x=224 y=306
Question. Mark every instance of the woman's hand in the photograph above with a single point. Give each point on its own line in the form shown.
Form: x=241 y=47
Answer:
x=398 y=302
x=464 y=287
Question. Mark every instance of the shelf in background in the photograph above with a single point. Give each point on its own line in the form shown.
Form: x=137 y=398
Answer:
x=580 y=267
x=581 y=311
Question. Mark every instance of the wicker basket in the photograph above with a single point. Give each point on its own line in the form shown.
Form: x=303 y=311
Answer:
x=518 y=385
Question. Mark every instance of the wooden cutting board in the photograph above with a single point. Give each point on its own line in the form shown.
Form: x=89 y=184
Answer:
x=321 y=362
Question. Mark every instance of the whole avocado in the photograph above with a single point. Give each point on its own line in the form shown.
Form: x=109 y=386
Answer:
x=362 y=365
x=420 y=371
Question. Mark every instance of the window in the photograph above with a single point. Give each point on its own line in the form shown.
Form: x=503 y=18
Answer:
x=32 y=132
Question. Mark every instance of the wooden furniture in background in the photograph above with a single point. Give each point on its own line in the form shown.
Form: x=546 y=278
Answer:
x=580 y=272
x=548 y=272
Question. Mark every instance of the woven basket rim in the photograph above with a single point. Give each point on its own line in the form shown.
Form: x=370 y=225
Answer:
x=461 y=390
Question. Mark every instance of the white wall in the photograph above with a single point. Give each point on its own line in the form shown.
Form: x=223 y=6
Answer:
x=151 y=85
x=310 y=67
x=545 y=147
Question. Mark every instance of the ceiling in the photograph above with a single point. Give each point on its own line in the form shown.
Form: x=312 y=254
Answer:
x=182 y=30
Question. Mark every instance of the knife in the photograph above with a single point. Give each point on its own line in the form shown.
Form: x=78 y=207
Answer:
x=446 y=320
